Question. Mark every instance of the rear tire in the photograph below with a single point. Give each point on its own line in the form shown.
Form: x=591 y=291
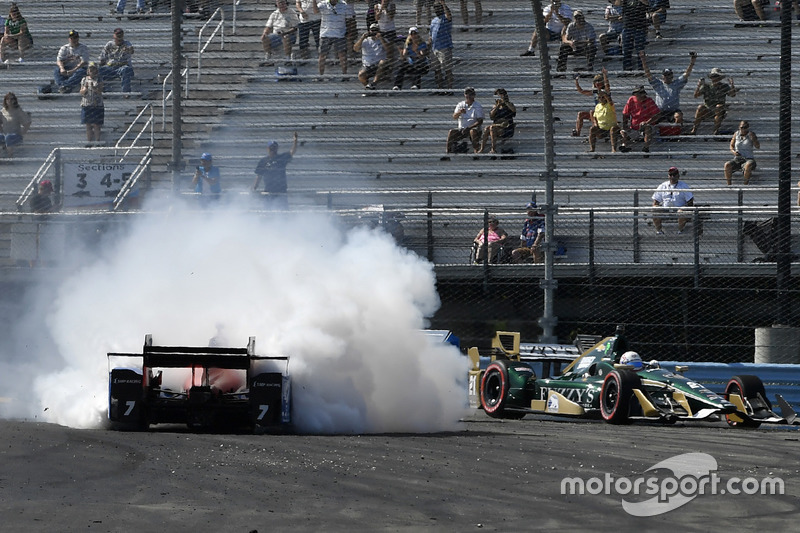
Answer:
x=494 y=391
x=746 y=387
x=616 y=394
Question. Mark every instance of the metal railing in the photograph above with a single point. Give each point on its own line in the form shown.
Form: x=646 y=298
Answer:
x=147 y=126
x=218 y=29
x=166 y=95
x=233 y=24
x=32 y=185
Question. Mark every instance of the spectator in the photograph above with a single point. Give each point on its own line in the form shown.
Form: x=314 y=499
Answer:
x=280 y=30
x=308 y=24
x=599 y=83
x=206 y=176
x=502 y=115
x=272 y=169
x=604 y=121
x=579 y=39
x=16 y=34
x=714 y=95
x=469 y=115
x=668 y=89
x=92 y=109
x=441 y=43
x=531 y=238
x=71 y=64
x=465 y=14
x=14 y=123
x=115 y=60
x=41 y=201
x=351 y=28
x=613 y=15
x=373 y=47
x=413 y=60
x=634 y=32
x=332 y=32
x=638 y=115
x=384 y=14
x=120 y=9
x=670 y=195
x=419 y=7
x=496 y=238
x=749 y=9
x=556 y=17
x=657 y=13
x=743 y=143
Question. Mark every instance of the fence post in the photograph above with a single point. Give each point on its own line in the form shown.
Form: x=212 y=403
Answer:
x=430 y=226
x=636 y=249
x=696 y=238
x=591 y=247
x=740 y=229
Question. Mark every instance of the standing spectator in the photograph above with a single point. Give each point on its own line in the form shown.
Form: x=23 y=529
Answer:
x=92 y=109
x=115 y=60
x=613 y=15
x=469 y=115
x=749 y=9
x=332 y=32
x=41 y=201
x=743 y=144
x=668 y=89
x=413 y=60
x=579 y=39
x=206 y=176
x=384 y=14
x=657 y=13
x=671 y=194
x=71 y=64
x=714 y=95
x=280 y=30
x=120 y=9
x=465 y=13
x=556 y=17
x=604 y=121
x=373 y=47
x=599 y=83
x=496 y=238
x=419 y=7
x=14 y=123
x=16 y=34
x=637 y=118
x=531 y=237
x=441 y=43
x=308 y=24
x=272 y=169
x=502 y=115
x=351 y=28
x=634 y=32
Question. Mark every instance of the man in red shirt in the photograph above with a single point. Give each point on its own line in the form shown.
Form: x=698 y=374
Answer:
x=637 y=117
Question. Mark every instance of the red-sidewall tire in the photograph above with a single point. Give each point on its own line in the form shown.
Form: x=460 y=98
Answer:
x=746 y=387
x=616 y=394
x=494 y=389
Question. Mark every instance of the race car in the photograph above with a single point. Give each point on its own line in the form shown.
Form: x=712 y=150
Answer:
x=202 y=387
x=611 y=382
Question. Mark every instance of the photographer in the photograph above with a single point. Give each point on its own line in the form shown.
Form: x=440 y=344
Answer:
x=206 y=176
x=373 y=48
x=502 y=115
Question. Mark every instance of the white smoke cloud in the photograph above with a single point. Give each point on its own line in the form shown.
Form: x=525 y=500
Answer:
x=347 y=307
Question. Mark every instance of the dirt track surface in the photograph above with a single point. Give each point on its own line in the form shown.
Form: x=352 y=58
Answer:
x=495 y=475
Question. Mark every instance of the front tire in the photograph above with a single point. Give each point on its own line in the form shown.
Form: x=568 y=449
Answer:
x=746 y=387
x=495 y=387
x=616 y=394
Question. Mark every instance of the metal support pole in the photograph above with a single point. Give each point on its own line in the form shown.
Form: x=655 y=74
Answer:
x=783 y=262
x=177 y=131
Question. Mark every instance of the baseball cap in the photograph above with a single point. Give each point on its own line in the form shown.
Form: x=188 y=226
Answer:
x=715 y=73
x=667 y=72
x=413 y=29
x=118 y=30
x=639 y=89
x=272 y=144
x=73 y=33
x=46 y=184
x=577 y=13
x=374 y=27
x=674 y=170
x=205 y=157
x=531 y=205
x=469 y=90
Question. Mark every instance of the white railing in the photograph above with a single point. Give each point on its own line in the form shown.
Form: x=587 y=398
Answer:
x=131 y=182
x=147 y=126
x=34 y=183
x=167 y=95
x=219 y=28
x=235 y=6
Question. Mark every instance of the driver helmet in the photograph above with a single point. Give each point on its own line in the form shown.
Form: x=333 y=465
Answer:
x=632 y=359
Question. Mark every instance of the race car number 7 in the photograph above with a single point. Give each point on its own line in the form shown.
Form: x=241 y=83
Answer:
x=263 y=408
x=130 y=405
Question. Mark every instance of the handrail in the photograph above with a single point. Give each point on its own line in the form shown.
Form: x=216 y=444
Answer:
x=220 y=28
x=127 y=187
x=166 y=96
x=130 y=147
x=233 y=25
x=34 y=183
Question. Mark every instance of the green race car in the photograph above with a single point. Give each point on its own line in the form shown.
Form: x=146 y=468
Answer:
x=611 y=382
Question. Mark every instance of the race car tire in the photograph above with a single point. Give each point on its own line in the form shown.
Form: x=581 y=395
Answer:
x=616 y=394
x=745 y=386
x=494 y=391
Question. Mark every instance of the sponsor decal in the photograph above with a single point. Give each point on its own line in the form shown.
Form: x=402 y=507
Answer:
x=552 y=404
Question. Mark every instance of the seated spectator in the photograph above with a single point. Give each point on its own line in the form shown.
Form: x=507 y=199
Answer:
x=743 y=144
x=92 y=106
x=604 y=121
x=657 y=13
x=610 y=40
x=579 y=39
x=469 y=115
x=530 y=249
x=16 y=34
x=638 y=116
x=671 y=194
x=668 y=90
x=14 y=123
x=599 y=83
x=115 y=60
x=374 y=64
x=280 y=30
x=206 y=176
x=556 y=17
x=413 y=61
x=40 y=200
x=714 y=95
x=71 y=64
x=502 y=115
x=497 y=237
x=749 y=9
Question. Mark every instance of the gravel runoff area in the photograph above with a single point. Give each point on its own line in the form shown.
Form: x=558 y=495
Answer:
x=495 y=475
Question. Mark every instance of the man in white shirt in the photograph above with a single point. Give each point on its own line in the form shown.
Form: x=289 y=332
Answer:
x=672 y=194
x=332 y=32
x=309 y=25
x=469 y=115
x=373 y=48
x=280 y=30
x=556 y=17
x=71 y=64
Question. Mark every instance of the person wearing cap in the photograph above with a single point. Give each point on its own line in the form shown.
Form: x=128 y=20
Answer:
x=333 y=30
x=638 y=115
x=714 y=95
x=40 y=200
x=206 y=178
x=413 y=60
x=272 y=169
x=309 y=23
x=115 y=60
x=496 y=238
x=280 y=30
x=634 y=32
x=743 y=144
x=531 y=237
x=373 y=48
x=440 y=42
x=556 y=17
x=469 y=115
x=669 y=196
x=16 y=34
x=599 y=83
x=385 y=12
x=613 y=14
x=667 y=89
x=579 y=39
x=502 y=126
x=71 y=63
x=92 y=107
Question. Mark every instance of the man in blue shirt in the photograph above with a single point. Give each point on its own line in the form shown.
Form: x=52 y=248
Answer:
x=272 y=169
x=206 y=176
x=668 y=89
x=441 y=41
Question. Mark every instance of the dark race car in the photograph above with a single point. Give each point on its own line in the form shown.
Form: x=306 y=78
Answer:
x=611 y=382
